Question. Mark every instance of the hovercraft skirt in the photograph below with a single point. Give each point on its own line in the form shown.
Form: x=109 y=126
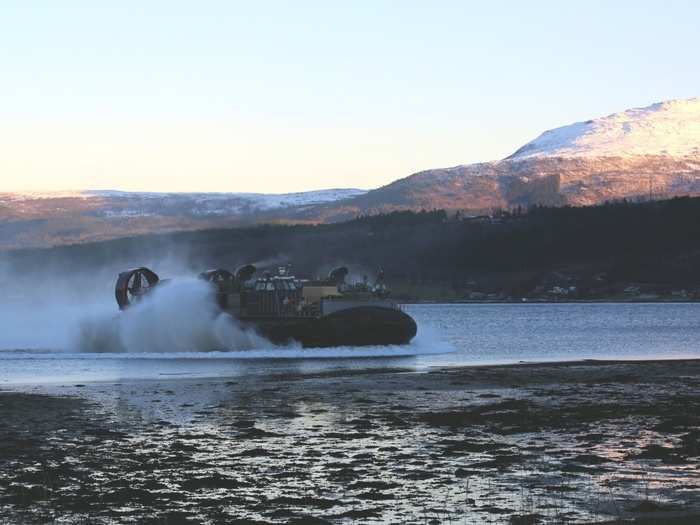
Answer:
x=357 y=326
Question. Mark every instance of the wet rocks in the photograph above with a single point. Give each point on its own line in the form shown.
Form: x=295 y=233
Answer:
x=521 y=446
x=214 y=481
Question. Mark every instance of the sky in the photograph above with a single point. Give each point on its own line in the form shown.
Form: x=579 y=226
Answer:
x=291 y=96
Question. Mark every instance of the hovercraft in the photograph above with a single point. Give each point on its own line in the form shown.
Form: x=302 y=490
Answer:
x=283 y=308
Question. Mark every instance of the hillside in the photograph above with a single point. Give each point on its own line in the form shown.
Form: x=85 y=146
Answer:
x=45 y=219
x=651 y=152
x=663 y=129
x=638 y=152
x=601 y=251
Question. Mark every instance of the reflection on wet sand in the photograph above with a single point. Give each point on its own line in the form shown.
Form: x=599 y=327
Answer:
x=575 y=442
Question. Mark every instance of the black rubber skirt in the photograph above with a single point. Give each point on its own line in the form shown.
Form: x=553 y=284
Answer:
x=359 y=326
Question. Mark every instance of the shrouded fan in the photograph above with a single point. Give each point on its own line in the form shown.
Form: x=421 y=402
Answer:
x=337 y=275
x=217 y=276
x=134 y=284
x=224 y=282
x=244 y=273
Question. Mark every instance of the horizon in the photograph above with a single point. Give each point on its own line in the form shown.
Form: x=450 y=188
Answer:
x=68 y=191
x=241 y=99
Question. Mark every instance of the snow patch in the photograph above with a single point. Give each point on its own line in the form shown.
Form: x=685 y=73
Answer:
x=669 y=128
x=127 y=204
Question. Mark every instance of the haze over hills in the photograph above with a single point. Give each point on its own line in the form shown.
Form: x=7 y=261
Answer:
x=635 y=153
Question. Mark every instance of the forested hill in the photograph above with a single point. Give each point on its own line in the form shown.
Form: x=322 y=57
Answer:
x=581 y=252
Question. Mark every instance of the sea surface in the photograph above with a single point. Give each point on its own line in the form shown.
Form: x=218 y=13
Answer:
x=449 y=335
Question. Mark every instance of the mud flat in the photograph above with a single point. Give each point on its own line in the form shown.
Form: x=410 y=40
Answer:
x=577 y=442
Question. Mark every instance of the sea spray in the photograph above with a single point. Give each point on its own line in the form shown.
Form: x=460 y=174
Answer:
x=43 y=314
x=74 y=312
x=177 y=316
x=43 y=302
x=180 y=319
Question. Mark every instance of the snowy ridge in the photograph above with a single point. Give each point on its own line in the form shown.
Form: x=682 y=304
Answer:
x=651 y=152
x=219 y=203
x=113 y=204
x=42 y=195
x=669 y=128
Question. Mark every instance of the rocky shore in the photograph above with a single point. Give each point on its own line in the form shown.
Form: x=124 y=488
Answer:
x=578 y=442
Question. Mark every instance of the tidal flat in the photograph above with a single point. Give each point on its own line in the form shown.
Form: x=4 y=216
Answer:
x=576 y=442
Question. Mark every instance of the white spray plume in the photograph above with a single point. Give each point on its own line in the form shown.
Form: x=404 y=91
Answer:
x=177 y=316
x=59 y=308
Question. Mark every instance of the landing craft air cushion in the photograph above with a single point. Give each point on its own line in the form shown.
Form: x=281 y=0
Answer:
x=282 y=308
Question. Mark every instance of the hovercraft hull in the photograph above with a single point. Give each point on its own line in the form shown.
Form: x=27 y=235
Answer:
x=358 y=326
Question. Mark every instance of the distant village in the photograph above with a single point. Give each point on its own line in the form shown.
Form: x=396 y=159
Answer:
x=561 y=287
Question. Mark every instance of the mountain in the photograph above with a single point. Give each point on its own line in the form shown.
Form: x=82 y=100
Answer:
x=44 y=219
x=664 y=129
x=639 y=153
x=624 y=155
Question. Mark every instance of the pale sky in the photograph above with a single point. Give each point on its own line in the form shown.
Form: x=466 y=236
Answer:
x=291 y=96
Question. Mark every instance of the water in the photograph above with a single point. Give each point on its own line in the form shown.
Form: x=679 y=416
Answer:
x=448 y=335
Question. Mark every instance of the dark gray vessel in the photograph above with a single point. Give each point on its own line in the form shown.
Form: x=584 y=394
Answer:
x=283 y=308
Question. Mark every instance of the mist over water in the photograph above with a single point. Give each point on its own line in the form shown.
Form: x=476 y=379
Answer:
x=177 y=316
x=69 y=330
x=180 y=318
x=39 y=311
x=60 y=323
x=74 y=314
x=61 y=309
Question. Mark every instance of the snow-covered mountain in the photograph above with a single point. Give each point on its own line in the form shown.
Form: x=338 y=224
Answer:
x=120 y=203
x=198 y=203
x=664 y=129
x=632 y=154
x=45 y=218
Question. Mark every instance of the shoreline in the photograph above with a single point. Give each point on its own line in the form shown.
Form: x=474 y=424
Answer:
x=52 y=386
x=587 y=441
x=551 y=301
